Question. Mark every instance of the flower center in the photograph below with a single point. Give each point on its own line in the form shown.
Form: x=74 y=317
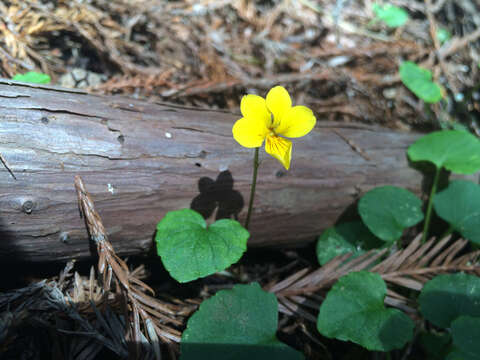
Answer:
x=272 y=126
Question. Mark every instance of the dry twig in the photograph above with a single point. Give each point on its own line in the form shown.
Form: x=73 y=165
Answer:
x=141 y=310
x=4 y=162
x=436 y=43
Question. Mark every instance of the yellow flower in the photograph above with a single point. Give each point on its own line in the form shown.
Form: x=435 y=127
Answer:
x=266 y=119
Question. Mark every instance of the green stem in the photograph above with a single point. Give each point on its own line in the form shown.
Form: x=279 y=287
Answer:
x=252 y=189
x=426 y=225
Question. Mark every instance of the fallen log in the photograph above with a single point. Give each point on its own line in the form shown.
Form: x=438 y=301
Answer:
x=141 y=159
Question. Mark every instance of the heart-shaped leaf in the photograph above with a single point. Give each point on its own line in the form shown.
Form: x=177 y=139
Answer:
x=236 y=324
x=419 y=81
x=459 y=205
x=388 y=210
x=455 y=150
x=354 y=311
x=350 y=237
x=33 y=77
x=446 y=297
x=189 y=250
x=466 y=336
x=392 y=16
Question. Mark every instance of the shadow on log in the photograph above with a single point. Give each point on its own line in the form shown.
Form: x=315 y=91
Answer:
x=141 y=159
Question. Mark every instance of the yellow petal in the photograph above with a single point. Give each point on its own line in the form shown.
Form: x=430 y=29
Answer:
x=296 y=122
x=255 y=107
x=278 y=102
x=280 y=149
x=249 y=132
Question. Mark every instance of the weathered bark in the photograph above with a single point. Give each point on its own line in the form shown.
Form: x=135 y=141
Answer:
x=140 y=159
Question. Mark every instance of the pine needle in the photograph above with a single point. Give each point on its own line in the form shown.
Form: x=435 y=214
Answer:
x=408 y=268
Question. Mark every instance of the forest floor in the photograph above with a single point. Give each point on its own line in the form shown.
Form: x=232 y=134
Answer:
x=333 y=56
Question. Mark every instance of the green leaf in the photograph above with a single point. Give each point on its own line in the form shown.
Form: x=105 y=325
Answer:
x=459 y=205
x=435 y=345
x=350 y=237
x=189 y=250
x=392 y=16
x=388 y=210
x=443 y=35
x=455 y=150
x=419 y=81
x=354 y=311
x=446 y=297
x=457 y=354
x=236 y=324
x=33 y=77
x=466 y=335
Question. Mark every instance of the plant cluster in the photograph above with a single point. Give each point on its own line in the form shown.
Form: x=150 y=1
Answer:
x=354 y=308
x=242 y=321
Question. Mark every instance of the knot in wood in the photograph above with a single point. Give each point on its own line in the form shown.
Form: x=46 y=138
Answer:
x=27 y=206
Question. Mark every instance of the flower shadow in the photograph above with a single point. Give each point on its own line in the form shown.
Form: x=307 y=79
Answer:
x=218 y=194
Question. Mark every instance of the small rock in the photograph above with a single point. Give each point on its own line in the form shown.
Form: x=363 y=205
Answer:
x=390 y=93
x=81 y=78
x=338 y=61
